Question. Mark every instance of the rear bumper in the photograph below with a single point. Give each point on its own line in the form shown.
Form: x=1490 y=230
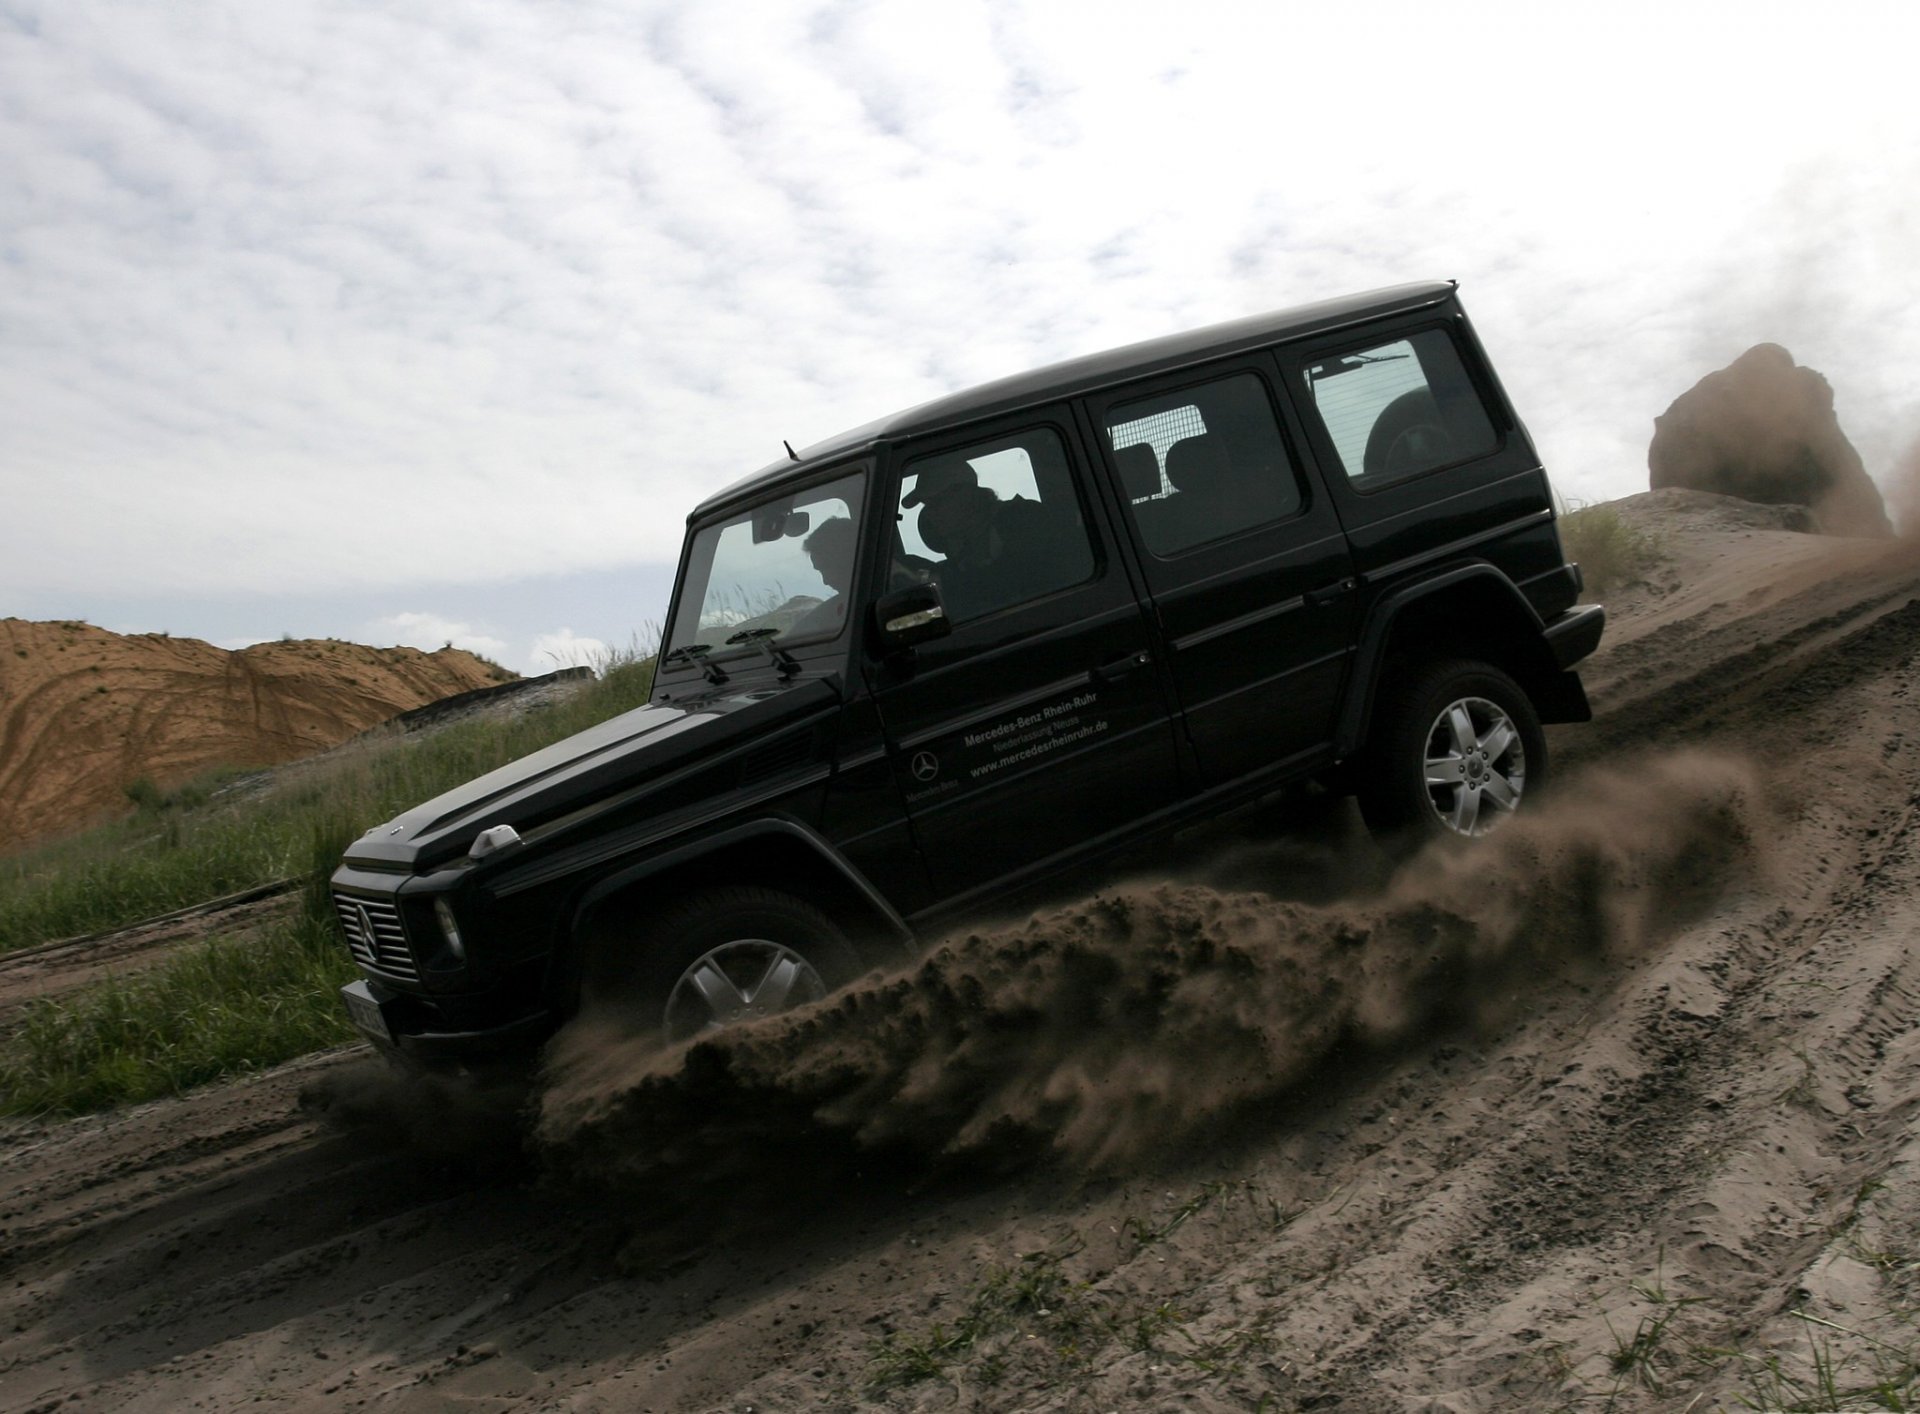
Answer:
x=1575 y=634
x=398 y=1023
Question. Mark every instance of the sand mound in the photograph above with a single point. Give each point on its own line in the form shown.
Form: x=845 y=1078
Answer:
x=1764 y=429
x=84 y=713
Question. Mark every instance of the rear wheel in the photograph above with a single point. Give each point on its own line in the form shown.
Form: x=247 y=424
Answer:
x=1455 y=749
x=718 y=958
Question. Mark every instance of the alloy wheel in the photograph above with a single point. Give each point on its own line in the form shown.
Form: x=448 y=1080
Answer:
x=1476 y=766
x=739 y=981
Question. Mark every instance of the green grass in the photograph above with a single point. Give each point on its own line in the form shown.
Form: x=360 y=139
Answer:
x=199 y=843
x=221 y=1008
x=1610 y=552
x=232 y=1005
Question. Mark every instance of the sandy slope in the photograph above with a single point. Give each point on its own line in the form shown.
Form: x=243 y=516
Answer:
x=1610 y=1113
x=85 y=712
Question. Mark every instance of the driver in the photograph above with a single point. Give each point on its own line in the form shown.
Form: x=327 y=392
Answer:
x=830 y=548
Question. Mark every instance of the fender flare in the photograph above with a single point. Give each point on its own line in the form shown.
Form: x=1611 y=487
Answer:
x=1356 y=707
x=706 y=846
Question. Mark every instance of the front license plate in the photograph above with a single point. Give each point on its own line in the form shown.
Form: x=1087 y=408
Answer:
x=364 y=1012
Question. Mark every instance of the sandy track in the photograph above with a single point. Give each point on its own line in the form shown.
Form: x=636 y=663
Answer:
x=1629 y=1175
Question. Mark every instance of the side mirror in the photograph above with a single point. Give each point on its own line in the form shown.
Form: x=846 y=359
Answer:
x=909 y=616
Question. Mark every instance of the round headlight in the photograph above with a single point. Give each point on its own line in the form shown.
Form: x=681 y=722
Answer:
x=450 y=925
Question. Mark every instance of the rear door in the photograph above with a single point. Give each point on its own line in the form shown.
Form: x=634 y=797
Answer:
x=1244 y=560
x=1039 y=728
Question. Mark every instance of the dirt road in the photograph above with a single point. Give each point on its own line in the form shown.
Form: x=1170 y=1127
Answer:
x=1619 y=1111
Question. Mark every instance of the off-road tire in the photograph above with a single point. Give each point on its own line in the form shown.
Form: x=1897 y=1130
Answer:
x=722 y=956
x=1420 y=723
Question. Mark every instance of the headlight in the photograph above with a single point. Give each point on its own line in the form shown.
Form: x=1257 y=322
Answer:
x=450 y=925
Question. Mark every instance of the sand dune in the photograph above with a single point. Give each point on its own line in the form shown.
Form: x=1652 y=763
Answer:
x=84 y=713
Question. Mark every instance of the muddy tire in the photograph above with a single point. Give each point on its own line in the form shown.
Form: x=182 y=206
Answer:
x=1455 y=749
x=718 y=958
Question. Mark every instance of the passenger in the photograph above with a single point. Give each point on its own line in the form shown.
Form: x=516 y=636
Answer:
x=997 y=552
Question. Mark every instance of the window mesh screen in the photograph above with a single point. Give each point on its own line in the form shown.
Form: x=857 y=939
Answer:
x=1159 y=431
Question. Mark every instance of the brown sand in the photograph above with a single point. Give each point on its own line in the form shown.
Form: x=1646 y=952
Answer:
x=84 y=713
x=1618 y=1111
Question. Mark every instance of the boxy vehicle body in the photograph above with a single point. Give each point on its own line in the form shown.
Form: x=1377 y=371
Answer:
x=939 y=658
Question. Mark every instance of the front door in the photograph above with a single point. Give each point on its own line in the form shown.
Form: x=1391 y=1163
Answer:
x=1040 y=726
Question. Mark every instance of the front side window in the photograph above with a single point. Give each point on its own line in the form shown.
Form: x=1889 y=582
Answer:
x=1202 y=463
x=993 y=524
x=1396 y=410
x=781 y=572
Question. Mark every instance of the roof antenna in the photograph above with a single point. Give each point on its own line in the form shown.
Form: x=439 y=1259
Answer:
x=791 y=454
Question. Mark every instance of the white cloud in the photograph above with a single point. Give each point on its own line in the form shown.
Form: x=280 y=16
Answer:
x=339 y=298
x=565 y=649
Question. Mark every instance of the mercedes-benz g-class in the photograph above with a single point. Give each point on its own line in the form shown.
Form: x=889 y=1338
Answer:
x=936 y=659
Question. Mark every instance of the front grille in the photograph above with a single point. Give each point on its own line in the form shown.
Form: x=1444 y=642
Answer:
x=374 y=934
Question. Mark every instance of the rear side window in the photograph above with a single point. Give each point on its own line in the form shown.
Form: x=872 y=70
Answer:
x=1202 y=463
x=1399 y=409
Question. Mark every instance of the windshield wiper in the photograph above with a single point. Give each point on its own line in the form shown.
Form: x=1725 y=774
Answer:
x=1349 y=363
x=696 y=654
x=784 y=662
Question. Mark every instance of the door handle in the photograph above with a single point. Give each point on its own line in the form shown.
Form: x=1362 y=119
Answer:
x=1327 y=593
x=1108 y=673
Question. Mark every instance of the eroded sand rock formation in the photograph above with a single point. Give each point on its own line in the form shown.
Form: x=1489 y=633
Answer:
x=84 y=712
x=1764 y=429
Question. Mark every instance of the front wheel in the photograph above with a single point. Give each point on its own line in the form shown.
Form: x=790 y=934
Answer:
x=1456 y=748
x=722 y=957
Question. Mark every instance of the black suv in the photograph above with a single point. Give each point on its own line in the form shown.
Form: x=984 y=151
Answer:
x=944 y=656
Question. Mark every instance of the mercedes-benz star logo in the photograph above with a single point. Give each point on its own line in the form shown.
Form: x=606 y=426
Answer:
x=365 y=920
x=925 y=766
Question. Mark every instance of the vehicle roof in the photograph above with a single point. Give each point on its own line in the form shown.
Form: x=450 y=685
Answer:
x=1075 y=376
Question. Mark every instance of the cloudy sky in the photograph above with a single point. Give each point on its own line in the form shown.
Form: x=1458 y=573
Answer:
x=416 y=322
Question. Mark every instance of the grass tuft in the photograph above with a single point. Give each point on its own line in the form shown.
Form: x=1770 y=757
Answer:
x=1610 y=552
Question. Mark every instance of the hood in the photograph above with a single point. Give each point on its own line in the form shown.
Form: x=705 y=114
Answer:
x=618 y=755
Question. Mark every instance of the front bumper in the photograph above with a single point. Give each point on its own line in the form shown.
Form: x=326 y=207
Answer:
x=405 y=1025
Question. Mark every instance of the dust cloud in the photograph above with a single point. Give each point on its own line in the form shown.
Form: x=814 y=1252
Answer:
x=449 y=1119
x=1126 y=1022
x=1903 y=491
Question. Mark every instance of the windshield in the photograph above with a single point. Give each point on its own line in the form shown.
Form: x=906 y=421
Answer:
x=781 y=572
